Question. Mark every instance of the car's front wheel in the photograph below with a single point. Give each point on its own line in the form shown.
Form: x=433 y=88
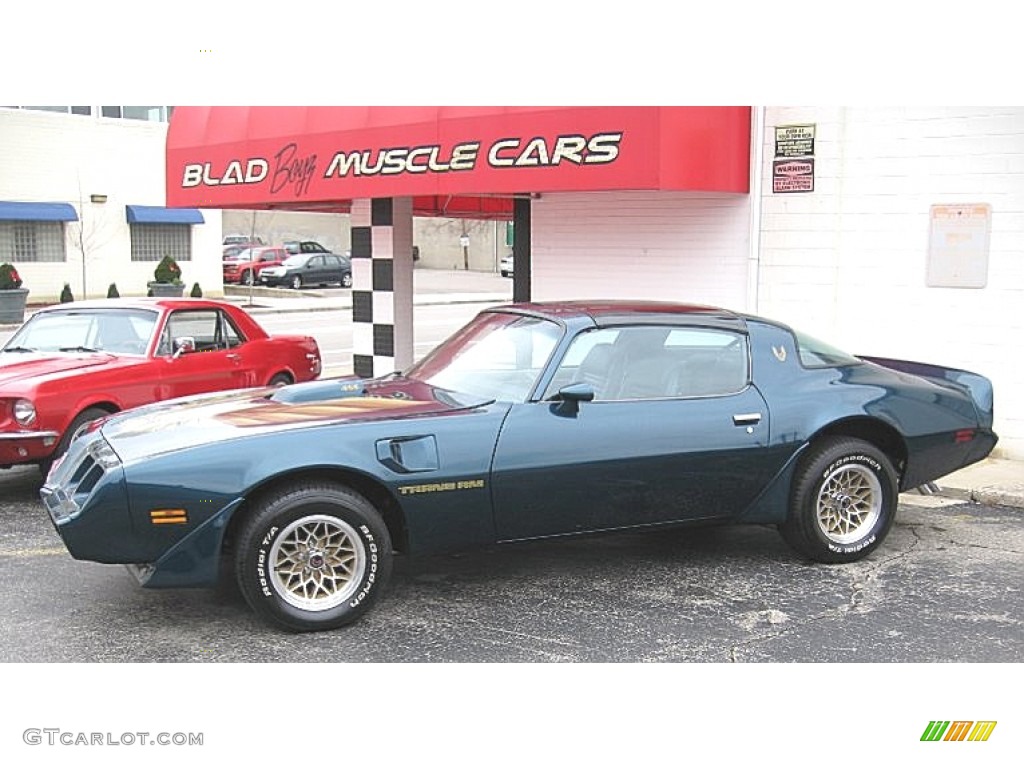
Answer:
x=89 y=414
x=297 y=282
x=247 y=277
x=313 y=556
x=843 y=501
x=346 y=280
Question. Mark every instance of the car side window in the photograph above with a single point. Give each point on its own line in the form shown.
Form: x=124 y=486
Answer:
x=210 y=328
x=655 y=362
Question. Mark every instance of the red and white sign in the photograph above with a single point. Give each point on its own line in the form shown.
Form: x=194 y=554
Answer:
x=323 y=157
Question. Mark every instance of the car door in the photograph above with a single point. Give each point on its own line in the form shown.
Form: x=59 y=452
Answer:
x=218 y=362
x=334 y=271
x=675 y=432
x=315 y=271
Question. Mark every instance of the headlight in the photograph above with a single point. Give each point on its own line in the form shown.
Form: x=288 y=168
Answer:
x=24 y=412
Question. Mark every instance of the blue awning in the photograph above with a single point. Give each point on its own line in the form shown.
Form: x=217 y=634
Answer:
x=155 y=214
x=37 y=212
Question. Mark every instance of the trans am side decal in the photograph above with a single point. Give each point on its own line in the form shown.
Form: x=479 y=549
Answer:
x=454 y=485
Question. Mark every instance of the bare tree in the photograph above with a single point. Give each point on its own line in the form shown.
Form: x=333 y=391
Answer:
x=87 y=233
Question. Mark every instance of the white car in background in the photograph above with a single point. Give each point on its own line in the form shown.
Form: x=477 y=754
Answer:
x=505 y=265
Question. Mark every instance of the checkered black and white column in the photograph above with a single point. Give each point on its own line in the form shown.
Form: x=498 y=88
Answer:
x=382 y=336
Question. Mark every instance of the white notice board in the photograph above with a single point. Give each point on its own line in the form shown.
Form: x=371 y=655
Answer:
x=958 y=245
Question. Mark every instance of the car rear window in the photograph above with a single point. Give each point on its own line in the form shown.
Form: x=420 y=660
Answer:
x=817 y=354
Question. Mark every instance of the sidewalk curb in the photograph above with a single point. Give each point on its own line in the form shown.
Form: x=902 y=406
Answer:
x=990 y=496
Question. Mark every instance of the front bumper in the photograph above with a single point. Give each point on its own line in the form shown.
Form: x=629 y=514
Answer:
x=26 y=447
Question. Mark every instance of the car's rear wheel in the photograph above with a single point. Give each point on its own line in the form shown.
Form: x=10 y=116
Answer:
x=843 y=502
x=279 y=380
x=297 y=282
x=313 y=556
x=346 y=280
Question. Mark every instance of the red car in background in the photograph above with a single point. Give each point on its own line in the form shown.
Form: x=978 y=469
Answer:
x=72 y=363
x=245 y=266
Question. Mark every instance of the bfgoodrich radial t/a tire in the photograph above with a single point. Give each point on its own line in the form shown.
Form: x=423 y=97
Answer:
x=313 y=556
x=843 y=502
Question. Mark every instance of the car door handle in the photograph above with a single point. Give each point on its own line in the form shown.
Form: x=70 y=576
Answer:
x=234 y=357
x=746 y=419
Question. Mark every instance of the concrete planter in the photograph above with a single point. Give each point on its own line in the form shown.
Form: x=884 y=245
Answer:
x=173 y=290
x=12 y=305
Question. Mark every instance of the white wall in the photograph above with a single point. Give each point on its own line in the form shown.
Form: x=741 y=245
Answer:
x=847 y=262
x=688 y=247
x=50 y=157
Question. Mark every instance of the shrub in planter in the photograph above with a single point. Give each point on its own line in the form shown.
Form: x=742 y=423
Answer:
x=167 y=271
x=66 y=297
x=167 y=280
x=12 y=295
x=112 y=292
x=9 y=277
x=197 y=292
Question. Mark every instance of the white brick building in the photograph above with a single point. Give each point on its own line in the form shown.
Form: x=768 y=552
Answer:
x=73 y=159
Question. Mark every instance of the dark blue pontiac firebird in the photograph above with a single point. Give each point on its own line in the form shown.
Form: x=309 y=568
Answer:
x=534 y=420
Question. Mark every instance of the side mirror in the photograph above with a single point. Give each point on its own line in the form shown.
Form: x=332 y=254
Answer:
x=570 y=396
x=183 y=345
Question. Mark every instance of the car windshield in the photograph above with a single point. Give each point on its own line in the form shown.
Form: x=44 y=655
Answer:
x=497 y=356
x=295 y=261
x=247 y=254
x=120 y=331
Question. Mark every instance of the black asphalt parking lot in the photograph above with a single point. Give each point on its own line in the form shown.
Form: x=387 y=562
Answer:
x=945 y=587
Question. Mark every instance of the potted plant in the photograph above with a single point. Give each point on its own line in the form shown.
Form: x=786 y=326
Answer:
x=12 y=295
x=167 y=279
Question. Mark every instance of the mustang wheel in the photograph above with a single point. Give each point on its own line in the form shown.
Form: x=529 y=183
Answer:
x=89 y=414
x=843 y=503
x=313 y=556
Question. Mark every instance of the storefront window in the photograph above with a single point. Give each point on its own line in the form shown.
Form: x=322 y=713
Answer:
x=32 y=241
x=151 y=242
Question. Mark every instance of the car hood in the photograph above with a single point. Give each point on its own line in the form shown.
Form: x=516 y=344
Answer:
x=23 y=366
x=177 y=424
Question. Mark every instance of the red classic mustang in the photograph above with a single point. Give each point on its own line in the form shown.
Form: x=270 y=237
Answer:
x=72 y=363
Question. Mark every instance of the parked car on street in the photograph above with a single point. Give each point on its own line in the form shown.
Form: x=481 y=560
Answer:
x=302 y=270
x=244 y=267
x=506 y=265
x=71 y=363
x=305 y=246
x=533 y=421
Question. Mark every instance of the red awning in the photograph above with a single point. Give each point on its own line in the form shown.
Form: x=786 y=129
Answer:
x=453 y=161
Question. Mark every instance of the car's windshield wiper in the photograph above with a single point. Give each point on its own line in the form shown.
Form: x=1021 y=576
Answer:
x=17 y=349
x=78 y=349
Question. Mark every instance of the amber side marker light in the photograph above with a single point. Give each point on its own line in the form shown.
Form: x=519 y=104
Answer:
x=168 y=516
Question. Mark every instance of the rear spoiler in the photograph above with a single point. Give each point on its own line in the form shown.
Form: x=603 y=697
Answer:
x=974 y=384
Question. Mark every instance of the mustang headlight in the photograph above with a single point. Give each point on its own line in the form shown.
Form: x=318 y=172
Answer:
x=24 y=412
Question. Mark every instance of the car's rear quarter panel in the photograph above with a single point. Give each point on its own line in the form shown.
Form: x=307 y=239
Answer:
x=807 y=402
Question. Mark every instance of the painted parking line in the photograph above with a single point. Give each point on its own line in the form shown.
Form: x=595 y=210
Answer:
x=35 y=552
